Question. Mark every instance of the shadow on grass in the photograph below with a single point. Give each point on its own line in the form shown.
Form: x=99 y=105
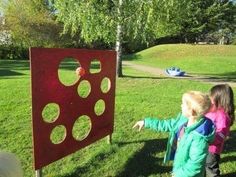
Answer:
x=73 y=65
x=143 y=77
x=229 y=175
x=144 y=162
x=230 y=146
x=5 y=72
x=93 y=162
x=132 y=57
x=25 y=65
x=219 y=77
x=14 y=65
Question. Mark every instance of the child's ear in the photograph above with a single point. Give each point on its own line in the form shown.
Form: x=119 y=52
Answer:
x=194 y=113
x=212 y=101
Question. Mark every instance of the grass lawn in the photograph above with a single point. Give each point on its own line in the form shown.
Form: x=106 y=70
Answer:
x=214 y=60
x=132 y=153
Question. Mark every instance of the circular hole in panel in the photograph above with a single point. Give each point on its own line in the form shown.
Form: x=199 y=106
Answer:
x=58 y=134
x=95 y=66
x=81 y=128
x=67 y=71
x=50 y=112
x=105 y=85
x=99 y=107
x=84 y=89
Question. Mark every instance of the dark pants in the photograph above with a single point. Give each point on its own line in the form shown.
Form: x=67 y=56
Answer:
x=212 y=165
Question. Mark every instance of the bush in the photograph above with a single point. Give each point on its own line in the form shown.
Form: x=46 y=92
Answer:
x=10 y=52
x=233 y=40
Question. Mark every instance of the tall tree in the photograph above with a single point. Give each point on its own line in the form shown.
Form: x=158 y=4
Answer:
x=192 y=20
x=112 y=21
x=32 y=23
x=202 y=18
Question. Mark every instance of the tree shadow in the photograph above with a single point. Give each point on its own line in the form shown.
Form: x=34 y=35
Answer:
x=230 y=143
x=132 y=57
x=6 y=72
x=68 y=65
x=229 y=146
x=144 y=77
x=229 y=175
x=218 y=77
x=25 y=65
x=144 y=162
x=73 y=65
x=86 y=167
x=228 y=159
x=14 y=65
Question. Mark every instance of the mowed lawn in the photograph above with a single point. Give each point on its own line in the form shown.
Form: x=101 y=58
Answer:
x=215 y=60
x=138 y=95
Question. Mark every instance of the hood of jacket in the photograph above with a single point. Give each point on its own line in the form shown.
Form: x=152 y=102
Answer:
x=205 y=128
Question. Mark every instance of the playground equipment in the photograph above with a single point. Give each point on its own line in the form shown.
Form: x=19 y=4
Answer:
x=54 y=136
x=174 y=71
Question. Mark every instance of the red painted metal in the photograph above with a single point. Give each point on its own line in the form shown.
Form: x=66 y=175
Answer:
x=46 y=88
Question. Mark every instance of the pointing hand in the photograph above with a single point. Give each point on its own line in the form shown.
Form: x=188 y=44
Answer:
x=139 y=124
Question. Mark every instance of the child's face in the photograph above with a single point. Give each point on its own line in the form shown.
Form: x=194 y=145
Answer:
x=185 y=109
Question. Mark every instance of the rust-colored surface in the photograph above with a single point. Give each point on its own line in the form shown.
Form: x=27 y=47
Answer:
x=47 y=88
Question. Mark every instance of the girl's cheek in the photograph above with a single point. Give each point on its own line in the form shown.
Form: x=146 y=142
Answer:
x=212 y=101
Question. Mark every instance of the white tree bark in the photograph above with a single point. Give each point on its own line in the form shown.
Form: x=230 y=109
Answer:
x=119 y=42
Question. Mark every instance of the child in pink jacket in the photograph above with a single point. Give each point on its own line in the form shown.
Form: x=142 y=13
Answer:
x=222 y=115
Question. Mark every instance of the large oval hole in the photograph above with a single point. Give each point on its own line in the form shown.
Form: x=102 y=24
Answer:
x=81 y=128
x=67 y=71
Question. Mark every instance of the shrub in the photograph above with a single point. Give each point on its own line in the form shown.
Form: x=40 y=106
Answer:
x=10 y=52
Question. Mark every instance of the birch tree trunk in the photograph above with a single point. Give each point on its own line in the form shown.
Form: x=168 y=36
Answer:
x=119 y=42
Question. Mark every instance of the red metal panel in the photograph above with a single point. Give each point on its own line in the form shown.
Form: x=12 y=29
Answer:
x=46 y=88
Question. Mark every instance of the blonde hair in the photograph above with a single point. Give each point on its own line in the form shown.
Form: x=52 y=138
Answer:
x=198 y=102
x=10 y=165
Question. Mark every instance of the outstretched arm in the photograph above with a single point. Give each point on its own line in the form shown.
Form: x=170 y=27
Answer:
x=159 y=124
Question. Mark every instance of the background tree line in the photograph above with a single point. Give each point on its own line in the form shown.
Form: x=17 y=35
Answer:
x=130 y=25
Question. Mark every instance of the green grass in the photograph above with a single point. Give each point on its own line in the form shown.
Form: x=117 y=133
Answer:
x=132 y=153
x=217 y=60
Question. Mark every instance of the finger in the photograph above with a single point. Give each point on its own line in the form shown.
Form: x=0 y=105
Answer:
x=135 y=125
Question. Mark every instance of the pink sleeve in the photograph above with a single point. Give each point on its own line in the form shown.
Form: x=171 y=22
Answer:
x=222 y=123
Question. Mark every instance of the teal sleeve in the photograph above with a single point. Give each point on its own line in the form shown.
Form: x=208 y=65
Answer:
x=161 y=125
x=196 y=162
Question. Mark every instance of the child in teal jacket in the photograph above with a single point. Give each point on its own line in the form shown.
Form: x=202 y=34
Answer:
x=190 y=134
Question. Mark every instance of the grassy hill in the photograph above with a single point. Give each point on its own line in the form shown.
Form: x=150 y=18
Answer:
x=217 y=60
x=139 y=95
